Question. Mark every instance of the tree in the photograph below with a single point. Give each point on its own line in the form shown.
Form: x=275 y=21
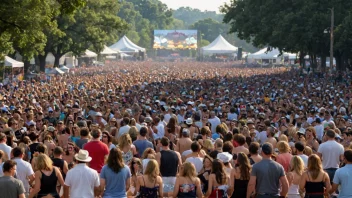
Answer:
x=189 y=15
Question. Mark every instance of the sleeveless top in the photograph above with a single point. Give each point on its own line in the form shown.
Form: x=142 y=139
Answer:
x=219 y=192
x=127 y=157
x=187 y=191
x=48 y=185
x=146 y=192
x=316 y=188
x=204 y=181
x=293 y=190
x=60 y=164
x=240 y=190
x=168 y=163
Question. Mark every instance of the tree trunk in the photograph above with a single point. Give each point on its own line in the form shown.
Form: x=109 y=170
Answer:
x=339 y=62
x=27 y=64
x=57 y=60
x=42 y=63
x=323 y=63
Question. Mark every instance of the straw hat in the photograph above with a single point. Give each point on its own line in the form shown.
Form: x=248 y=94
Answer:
x=83 y=156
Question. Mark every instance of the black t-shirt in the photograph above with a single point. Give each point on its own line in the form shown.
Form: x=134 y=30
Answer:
x=33 y=149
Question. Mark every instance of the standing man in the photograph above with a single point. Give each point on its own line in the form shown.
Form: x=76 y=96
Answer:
x=24 y=169
x=343 y=177
x=331 y=153
x=142 y=143
x=97 y=150
x=9 y=186
x=266 y=177
x=82 y=181
x=4 y=147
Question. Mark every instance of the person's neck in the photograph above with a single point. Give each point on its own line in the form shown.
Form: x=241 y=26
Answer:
x=3 y=142
x=7 y=174
x=142 y=137
x=165 y=148
x=299 y=153
x=331 y=139
x=95 y=140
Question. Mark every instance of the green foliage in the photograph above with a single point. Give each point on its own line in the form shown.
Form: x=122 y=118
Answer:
x=204 y=43
x=189 y=15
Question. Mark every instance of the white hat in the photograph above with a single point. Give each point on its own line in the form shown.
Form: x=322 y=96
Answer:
x=50 y=109
x=224 y=157
x=302 y=131
x=99 y=114
x=83 y=156
x=189 y=121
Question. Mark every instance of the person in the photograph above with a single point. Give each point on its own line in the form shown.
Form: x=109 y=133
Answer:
x=266 y=176
x=184 y=143
x=11 y=187
x=148 y=154
x=169 y=161
x=343 y=177
x=194 y=157
x=219 y=181
x=115 y=176
x=241 y=140
x=128 y=149
x=97 y=150
x=59 y=162
x=240 y=176
x=299 y=146
x=106 y=138
x=294 y=176
x=205 y=172
x=24 y=170
x=136 y=171
x=124 y=127
x=187 y=184
x=314 y=180
x=284 y=156
x=4 y=147
x=331 y=152
x=142 y=143
x=254 y=153
x=82 y=181
x=149 y=185
x=46 y=178
x=84 y=132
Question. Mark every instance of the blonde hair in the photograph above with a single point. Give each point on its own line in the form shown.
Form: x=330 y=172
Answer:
x=283 y=147
x=207 y=144
x=125 y=140
x=283 y=137
x=43 y=162
x=297 y=165
x=146 y=153
x=307 y=151
x=314 y=166
x=152 y=170
x=188 y=170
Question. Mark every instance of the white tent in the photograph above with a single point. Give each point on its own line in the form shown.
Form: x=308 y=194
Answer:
x=89 y=54
x=124 y=55
x=108 y=51
x=65 y=69
x=219 y=46
x=264 y=54
x=126 y=45
x=9 y=62
x=53 y=71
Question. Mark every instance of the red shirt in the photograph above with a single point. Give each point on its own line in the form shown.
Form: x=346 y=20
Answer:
x=97 y=151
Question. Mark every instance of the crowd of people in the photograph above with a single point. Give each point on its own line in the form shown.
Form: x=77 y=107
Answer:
x=189 y=129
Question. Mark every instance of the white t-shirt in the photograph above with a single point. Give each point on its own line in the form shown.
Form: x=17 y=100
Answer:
x=161 y=130
x=331 y=152
x=123 y=130
x=24 y=170
x=319 y=129
x=186 y=152
x=167 y=117
x=197 y=162
x=263 y=137
x=305 y=159
x=81 y=179
x=214 y=123
x=7 y=149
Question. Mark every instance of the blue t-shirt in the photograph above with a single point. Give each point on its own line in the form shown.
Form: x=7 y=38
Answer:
x=343 y=178
x=141 y=145
x=115 y=182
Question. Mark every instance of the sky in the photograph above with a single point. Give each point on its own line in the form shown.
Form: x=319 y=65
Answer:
x=211 y=5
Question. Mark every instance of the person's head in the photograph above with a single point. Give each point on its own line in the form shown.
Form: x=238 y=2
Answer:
x=195 y=147
x=299 y=146
x=66 y=130
x=227 y=147
x=205 y=131
x=207 y=161
x=152 y=169
x=96 y=133
x=148 y=153
x=9 y=167
x=240 y=139
x=267 y=150
x=314 y=166
x=283 y=137
x=244 y=164
x=208 y=145
x=58 y=151
x=115 y=161
x=84 y=132
x=143 y=131
x=185 y=133
x=164 y=142
x=311 y=133
x=330 y=134
x=283 y=147
x=218 y=170
x=125 y=140
x=219 y=144
x=188 y=170
x=44 y=163
x=106 y=137
x=254 y=148
x=348 y=156
x=18 y=152
x=41 y=148
x=308 y=151
x=297 y=165
x=136 y=166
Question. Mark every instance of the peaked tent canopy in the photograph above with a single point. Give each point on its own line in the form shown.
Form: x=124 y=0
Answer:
x=53 y=71
x=219 y=46
x=126 y=45
x=65 y=69
x=108 y=51
x=89 y=54
x=9 y=62
x=265 y=54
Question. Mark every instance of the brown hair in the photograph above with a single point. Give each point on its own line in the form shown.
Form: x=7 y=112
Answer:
x=314 y=166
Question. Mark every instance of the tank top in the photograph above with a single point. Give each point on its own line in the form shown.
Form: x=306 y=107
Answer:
x=187 y=191
x=204 y=181
x=168 y=163
x=316 y=188
x=48 y=185
x=146 y=192
x=127 y=157
x=60 y=164
x=240 y=190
